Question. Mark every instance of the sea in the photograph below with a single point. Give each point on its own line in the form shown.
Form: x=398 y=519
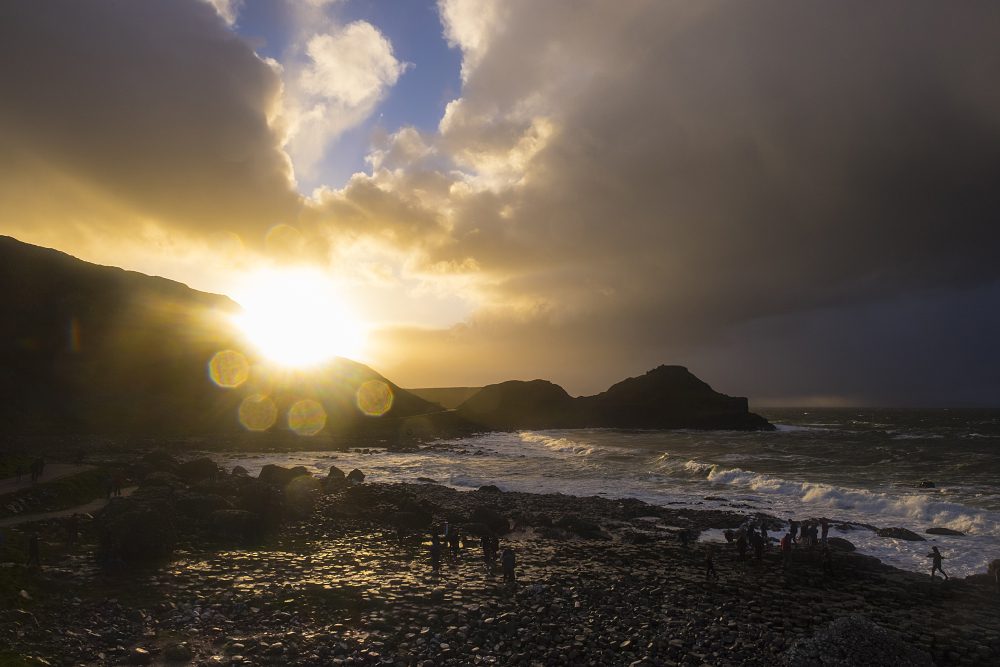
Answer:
x=863 y=466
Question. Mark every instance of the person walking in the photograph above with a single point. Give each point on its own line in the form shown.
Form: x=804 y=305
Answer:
x=786 y=550
x=436 y=554
x=936 y=567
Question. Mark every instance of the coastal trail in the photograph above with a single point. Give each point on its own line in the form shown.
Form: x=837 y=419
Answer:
x=86 y=508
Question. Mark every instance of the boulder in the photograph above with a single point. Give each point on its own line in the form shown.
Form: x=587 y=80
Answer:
x=240 y=471
x=275 y=475
x=301 y=494
x=334 y=480
x=854 y=640
x=356 y=477
x=936 y=530
x=490 y=488
x=840 y=544
x=899 y=534
x=496 y=522
x=136 y=531
x=198 y=469
x=235 y=525
x=925 y=484
x=159 y=459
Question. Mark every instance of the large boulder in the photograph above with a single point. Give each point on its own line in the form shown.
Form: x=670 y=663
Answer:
x=937 y=530
x=899 y=534
x=159 y=459
x=854 y=640
x=334 y=480
x=355 y=477
x=301 y=494
x=136 y=531
x=198 y=469
x=840 y=544
x=275 y=475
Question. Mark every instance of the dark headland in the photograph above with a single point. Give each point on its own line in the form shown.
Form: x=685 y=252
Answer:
x=89 y=349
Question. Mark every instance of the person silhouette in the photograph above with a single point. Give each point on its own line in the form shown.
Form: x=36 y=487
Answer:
x=936 y=567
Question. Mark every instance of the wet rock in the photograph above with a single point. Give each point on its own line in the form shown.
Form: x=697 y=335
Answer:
x=198 y=469
x=840 y=544
x=936 y=530
x=855 y=640
x=427 y=480
x=355 y=477
x=240 y=471
x=489 y=488
x=925 y=484
x=301 y=494
x=899 y=534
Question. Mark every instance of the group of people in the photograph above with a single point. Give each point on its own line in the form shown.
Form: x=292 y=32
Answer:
x=36 y=468
x=753 y=535
x=489 y=543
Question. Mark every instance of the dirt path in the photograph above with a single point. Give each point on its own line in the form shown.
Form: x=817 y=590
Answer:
x=52 y=472
x=87 y=508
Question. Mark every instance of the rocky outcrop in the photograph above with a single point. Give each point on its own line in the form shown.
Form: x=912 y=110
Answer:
x=667 y=397
x=899 y=534
x=854 y=640
x=943 y=531
x=276 y=475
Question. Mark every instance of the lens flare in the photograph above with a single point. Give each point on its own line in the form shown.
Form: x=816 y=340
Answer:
x=258 y=412
x=374 y=398
x=306 y=417
x=229 y=369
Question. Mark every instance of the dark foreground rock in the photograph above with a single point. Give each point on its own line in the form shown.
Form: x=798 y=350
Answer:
x=350 y=583
x=943 y=531
x=854 y=640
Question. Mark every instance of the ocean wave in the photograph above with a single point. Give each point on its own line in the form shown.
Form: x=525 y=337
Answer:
x=560 y=444
x=876 y=506
x=795 y=428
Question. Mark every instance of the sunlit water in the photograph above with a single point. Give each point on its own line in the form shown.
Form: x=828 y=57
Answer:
x=860 y=466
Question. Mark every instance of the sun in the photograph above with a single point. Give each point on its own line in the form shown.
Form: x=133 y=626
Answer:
x=297 y=317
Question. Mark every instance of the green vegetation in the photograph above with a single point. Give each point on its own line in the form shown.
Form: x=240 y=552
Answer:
x=9 y=463
x=60 y=494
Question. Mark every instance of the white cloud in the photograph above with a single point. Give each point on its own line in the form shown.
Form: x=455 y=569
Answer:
x=469 y=25
x=343 y=75
x=227 y=9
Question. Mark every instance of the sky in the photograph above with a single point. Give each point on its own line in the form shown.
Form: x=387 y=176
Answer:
x=798 y=201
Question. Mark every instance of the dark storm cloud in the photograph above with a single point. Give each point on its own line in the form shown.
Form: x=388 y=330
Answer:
x=117 y=115
x=712 y=164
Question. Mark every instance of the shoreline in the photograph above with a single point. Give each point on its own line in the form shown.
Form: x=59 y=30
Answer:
x=601 y=581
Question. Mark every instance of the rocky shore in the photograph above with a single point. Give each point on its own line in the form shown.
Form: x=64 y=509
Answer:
x=211 y=568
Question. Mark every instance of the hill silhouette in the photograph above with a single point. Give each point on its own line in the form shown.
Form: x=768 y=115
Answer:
x=88 y=349
x=667 y=397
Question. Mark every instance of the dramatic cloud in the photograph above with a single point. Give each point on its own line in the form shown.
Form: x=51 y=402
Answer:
x=343 y=74
x=649 y=177
x=136 y=120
